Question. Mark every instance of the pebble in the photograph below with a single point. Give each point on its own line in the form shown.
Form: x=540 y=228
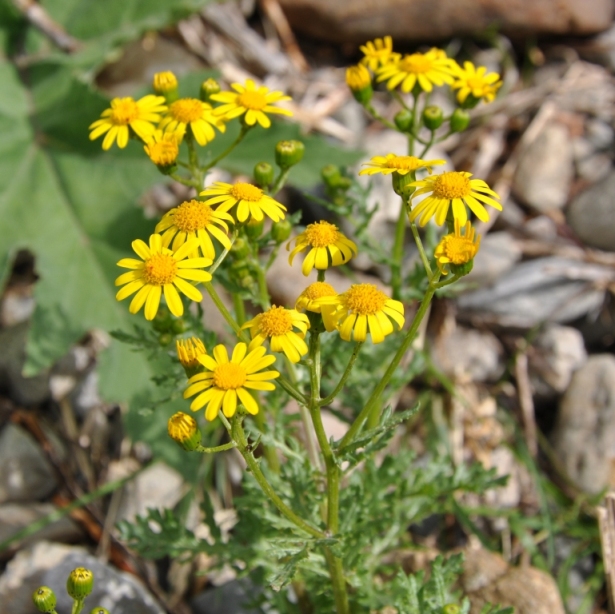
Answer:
x=227 y=598
x=499 y=252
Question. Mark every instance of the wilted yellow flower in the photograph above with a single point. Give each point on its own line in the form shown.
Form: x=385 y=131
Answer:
x=476 y=82
x=378 y=53
x=456 y=188
x=161 y=270
x=320 y=297
x=457 y=249
x=126 y=114
x=363 y=307
x=162 y=148
x=254 y=102
x=193 y=113
x=329 y=247
x=224 y=381
x=426 y=69
x=401 y=165
x=251 y=201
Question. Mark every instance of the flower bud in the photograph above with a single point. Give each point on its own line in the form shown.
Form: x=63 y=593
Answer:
x=331 y=175
x=263 y=174
x=188 y=352
x=99 y=610
x=359 y=81
x=254 y=228
x=433 y=117
x=80 y=583
x=451 y=608
x=280 y=231
x=165 y=339
x=209 y=87
x=184 y=430
x=165 y=83
x=460 y=119
x=44 y=599
x=240 y=249
x=462 y=269
x=401 y=181
x=404 y=120
x=289 y=153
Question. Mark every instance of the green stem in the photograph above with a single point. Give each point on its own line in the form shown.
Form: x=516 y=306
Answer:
x=188 y=182
x=370 y=109
x=222 y=448
x=415 y=122
x=428 y=144
x=240 y=309
x=270 y=454
x=447 y=282
x=336 y=572
x=77 y=606
x=226 y=314
x=193 y=161
x=223 y=253
x=372 y=403
x=398 y=252
x=419 y=245
x=345 y=375
x=280 y=181
x=238 y=435
x=292 y=391
x=263 y=291
x=227 y=151
x=321 y=274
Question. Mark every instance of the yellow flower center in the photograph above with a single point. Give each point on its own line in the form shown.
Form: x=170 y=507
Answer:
x=451 y=185
x=229 y=376
x=416 y=64
x=160 y=269
x=319 y=289
x=163 y=153
x=246 y=191
x=192 y=215
x=181 y=426
x=186 y=110
x=458 y=250
x=365 y=299
x=276 y=321
x=321 y=234
x=407 y=163
x=123 y=111
x=255 y=101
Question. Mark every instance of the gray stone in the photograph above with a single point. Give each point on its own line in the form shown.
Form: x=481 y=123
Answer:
x=545 y=171
x=595 y=167
x=599 y=133
x=48 y=564
x=499 y=252
x=592 y=214
x=25 y=473
x=23 y=390
x=230 y=598
x=558 y=351
x=584 y=435
x=548 y=289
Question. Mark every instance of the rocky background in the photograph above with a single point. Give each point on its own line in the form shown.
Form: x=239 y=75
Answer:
x=527 y=347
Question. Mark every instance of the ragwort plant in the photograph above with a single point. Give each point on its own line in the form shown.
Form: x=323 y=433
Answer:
x=317 y=516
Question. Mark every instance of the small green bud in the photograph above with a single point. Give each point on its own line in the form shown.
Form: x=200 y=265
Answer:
x=254 y=228
x=165 y=339
x=247 y=282
x=331 y=175
x=359 y=81
x=344 y=184
x=404 y=120
x=165 y=84
x=470 y=102
x=44 y=599
x=280 y=231
x=433 y=117
x=208 y=88
x=451 y=608
x=178 y=326
x=184 y=430
x=240 y=249
x=460 y=119
x=99 y=610
x=263 y=174
x=289 y=153
x=80 y=583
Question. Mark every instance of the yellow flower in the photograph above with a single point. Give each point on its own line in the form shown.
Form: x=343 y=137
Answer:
x=194 y=113
x=457 y=188
x=254 y=102
x=329 y=247
x=184 y=430
x=358 y=78
x=164 y=82
x=251 y=201
x=457 y=249
x=224 y=381
x=401 y=165
x=194 y=219
x=162 y=148
x=426 y=69
x=378 y=53
x=161 y=269
x=124 y=114
x=276 y=324
x=320 y=297
x=476 y=81
x=363 y=306
x=189 y=350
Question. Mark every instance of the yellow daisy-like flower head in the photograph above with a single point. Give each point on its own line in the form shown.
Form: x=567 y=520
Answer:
x=193 y=113
x=456 y=188
x=188 y=352
x=457 y=250
x=329 y=247
x=254 y=102
x=378 y=53
x=402 y=165
x=277 y=324
x=425 y=69
x=364 y=308
x=251 y=201
x=184 y=430
x=161 y=270
x=475 y=84
x=194 y=219
x=320 y=297
x=164 y=82
x=162 y=149
x=225 y=381
x=126 y=114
